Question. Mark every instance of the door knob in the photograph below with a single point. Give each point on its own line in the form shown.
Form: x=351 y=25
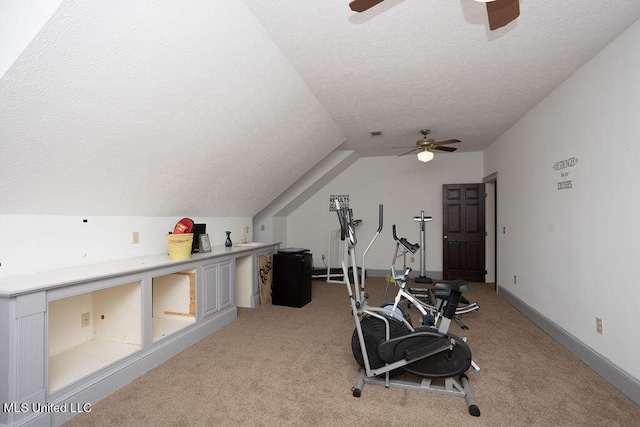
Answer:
x=445 y=237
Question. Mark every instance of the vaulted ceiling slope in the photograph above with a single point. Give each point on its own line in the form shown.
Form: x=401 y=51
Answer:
x=155 y=109
x=405 y=65
x=215 y=108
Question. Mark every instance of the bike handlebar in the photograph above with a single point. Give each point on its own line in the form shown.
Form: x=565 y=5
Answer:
x=403 y=277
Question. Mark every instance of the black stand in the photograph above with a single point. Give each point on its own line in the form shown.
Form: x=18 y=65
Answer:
x=422 y=278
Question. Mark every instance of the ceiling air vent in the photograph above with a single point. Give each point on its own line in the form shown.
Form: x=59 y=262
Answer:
x=375 y=133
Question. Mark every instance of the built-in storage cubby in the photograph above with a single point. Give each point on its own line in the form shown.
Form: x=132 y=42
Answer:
x=173 y=303
x=249 y=277
x=245 y=281
x=70 y=337
x=89 y=331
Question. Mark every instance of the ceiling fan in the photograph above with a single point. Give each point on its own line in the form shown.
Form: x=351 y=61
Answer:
x=499 y=12
x=425 y=145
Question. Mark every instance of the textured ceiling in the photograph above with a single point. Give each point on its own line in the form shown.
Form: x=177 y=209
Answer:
x=151 y=108
x=200 y=108
x=405 y=65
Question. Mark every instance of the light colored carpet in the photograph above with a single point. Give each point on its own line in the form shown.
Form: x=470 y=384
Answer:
x=293 y=366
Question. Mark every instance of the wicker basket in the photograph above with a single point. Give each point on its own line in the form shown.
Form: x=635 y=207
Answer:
x=179 y=246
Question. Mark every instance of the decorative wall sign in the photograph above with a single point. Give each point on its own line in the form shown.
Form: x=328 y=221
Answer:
x=343 y=199
x=563 y=167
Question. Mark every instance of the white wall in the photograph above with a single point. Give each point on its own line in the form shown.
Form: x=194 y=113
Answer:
x=574 y=250
x=271 y=222
x=35 y=243
x=20 y=21
x=404 y=186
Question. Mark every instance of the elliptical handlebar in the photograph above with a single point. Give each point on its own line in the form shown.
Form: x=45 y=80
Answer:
x=342 y=220
x=347 y=227
x=375 y=236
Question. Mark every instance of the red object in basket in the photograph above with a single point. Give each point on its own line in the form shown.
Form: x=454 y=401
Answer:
x=184 y=226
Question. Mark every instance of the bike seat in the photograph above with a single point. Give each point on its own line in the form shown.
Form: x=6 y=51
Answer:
x=458 y=285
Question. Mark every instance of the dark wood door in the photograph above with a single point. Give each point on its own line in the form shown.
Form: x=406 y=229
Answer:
x=463 y=232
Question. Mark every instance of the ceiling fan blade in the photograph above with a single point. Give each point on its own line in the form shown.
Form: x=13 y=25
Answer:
x=448 y=141
x=449 y=149
x=362 y=5
x=501 y=12
x=408 y=152
x=410 y=146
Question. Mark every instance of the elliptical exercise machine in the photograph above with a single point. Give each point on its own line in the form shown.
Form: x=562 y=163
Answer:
x=384 y=340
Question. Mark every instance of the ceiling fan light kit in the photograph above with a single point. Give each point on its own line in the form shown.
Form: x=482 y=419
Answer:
x=425 y=146
x=425 y=156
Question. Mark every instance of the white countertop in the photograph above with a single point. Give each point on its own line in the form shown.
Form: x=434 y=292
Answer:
x=27 y=283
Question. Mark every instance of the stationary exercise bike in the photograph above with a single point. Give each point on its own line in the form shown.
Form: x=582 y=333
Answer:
x=384 y=340
x=434 y=300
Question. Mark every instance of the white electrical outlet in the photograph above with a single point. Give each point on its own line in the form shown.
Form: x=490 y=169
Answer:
x=136 y=237
x=85 y=319
x=599 y=327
